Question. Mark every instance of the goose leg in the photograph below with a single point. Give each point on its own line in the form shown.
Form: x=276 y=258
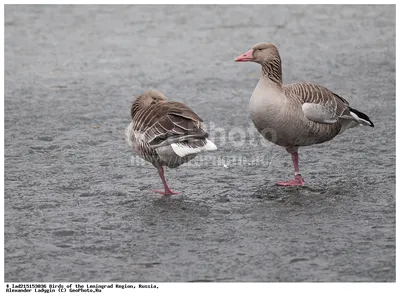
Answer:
x=166 y=191
x=298 y=180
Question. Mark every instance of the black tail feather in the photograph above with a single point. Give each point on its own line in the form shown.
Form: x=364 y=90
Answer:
x=362 y=115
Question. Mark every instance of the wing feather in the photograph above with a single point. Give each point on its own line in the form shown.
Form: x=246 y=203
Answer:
x=318 y=103
x=167 y=122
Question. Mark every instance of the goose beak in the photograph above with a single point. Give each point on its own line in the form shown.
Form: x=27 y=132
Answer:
x=248 y=56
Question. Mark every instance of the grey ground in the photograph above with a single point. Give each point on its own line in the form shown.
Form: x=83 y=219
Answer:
x=76 y=209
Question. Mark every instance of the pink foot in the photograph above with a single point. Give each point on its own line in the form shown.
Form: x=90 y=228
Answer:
x=168 y=192
x=298 y=181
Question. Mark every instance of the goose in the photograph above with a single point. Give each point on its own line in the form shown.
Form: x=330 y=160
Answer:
x=297 y=114
x=165 y=133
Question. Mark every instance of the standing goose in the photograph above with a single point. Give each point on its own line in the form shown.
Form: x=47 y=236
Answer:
x=297 y=114
x=165 y=133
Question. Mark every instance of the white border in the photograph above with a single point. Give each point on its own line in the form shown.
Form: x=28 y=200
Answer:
x=225 y=290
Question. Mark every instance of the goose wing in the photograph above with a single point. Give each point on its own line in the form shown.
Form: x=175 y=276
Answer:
x=169 y=122
x=318 y=103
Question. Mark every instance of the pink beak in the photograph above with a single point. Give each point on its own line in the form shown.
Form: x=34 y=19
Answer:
x=248 y=56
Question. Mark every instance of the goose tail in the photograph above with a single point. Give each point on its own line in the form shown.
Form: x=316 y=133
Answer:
x=183 y=149
x=361 y=118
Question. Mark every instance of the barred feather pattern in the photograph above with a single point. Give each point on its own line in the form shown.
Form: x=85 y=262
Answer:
x=273 y=69
x=312 y=93
x=333 y=104
x=157 y=124
x=298 y=114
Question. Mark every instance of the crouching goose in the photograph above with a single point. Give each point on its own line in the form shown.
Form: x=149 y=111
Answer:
x=165 y=133
x=297 y=114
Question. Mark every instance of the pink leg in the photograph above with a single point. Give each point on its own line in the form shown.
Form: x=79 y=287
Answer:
x=298 y=180
x=166 y=191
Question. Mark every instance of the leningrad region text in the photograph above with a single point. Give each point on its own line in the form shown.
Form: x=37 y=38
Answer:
x=74 y=287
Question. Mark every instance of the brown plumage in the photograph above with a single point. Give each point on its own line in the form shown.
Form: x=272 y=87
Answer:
x=165 y=133
x=297 y=114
